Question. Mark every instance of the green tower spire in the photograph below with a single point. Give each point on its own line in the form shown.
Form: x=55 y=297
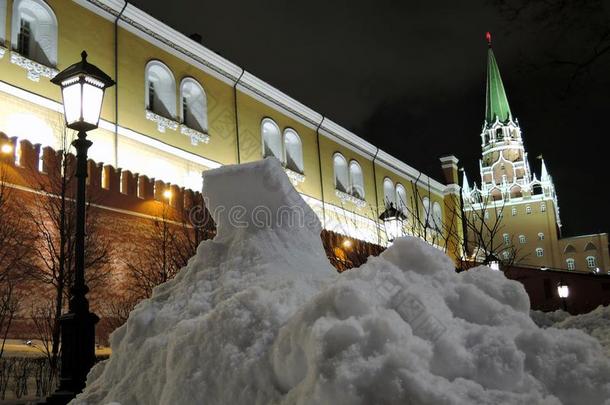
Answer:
x=496 y=102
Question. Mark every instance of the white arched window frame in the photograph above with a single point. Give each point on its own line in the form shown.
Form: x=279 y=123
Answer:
x=540 y=236
x=401 y=198
x=437 y=215
x=160 y=90
x=293 y=150
x=193 y=105
x=34 y=31
x=426 y=211
x=539 y=252
x=522 y=239
x=341 y=172
x=389 y=193
x=506 y=238
x=272 y=139
x=2 y=23
x=591 y=262
x=571 y=263
x=356 y=180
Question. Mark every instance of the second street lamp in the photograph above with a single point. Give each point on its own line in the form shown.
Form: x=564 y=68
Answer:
x=392 y=219
x=82 y=89
x=563 y=291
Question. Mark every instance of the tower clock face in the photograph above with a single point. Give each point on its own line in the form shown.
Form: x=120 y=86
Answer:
x=512 y=155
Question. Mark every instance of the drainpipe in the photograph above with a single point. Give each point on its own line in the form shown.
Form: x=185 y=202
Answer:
x=376 y=197
x=116 y=87
x=236 y=116
x=321 y=178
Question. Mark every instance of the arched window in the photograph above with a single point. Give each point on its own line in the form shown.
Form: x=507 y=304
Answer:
x=522 y=239
x=341 y=173
x=401 y=198
x=272 y=140
x=2 y=21
x=356 y=180
x=513 y=211
x=437 y=216
x=591 y=262
x=571 y=264
x=426 y=213
x=389 y=193
x=506 y=238
x=193 y=105
x=160 y=90
x=540 y=236
x=34 y=31
x=294 y=150
x=542 y=207
x=590 y=246
x=539 y=252
x=528 y=209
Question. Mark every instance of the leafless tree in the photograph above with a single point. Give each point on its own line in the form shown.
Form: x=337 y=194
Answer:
x=52 y=216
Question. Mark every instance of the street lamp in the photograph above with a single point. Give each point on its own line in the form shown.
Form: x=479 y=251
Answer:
x=6 y=148
x=82 y=89
x=392 y=219
x=563 y=291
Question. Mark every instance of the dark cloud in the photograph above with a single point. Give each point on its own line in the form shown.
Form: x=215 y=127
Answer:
x=409 y=76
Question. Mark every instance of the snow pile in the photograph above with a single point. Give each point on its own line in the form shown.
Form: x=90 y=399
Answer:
x=259 y=317
x=596 y=323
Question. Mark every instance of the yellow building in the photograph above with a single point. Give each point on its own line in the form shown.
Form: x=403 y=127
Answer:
x=514 y=215
x=178 y=109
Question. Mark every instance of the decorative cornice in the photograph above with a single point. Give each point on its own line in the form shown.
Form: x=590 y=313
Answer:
x=35 y=69
x=343 y=196
x=452 y=189
x=162 y=122
x=196 y=136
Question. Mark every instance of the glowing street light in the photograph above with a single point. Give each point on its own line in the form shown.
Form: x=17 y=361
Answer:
x=347 y=243
x=392 y=219
x=82 y=88
x=167 y=194
x=6 y=148
x=563 y=291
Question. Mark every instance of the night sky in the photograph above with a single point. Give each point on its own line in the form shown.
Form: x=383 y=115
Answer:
x=410 y=76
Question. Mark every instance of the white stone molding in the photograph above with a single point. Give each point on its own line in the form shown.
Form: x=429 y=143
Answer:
x=162 y=122
x=35 y=70
x=196 y=136
x=295 y=177
x=343 y=196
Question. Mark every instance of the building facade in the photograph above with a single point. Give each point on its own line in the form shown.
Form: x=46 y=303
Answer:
x=517 y=208
x=178 y=109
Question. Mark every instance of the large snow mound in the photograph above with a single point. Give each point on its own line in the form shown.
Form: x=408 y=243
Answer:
x=259 y=317
x=596 y=323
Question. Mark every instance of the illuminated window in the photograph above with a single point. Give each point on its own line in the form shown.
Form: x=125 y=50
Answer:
x=506 y=238
x=389 y=193
x=401 y=198
x=34 y=31
x=293 y=150
x=542 y=207
x=591 y=262
x=193 y=105
x=539 y=252
x=528 y=209
x=356 y=180
x=522 y=239
x=2 y=21
x=160 y=90
x=341 y=173
x=437 y=215
x=272 y=139
x=426 y=207
x=571 y=264
x=540 y=236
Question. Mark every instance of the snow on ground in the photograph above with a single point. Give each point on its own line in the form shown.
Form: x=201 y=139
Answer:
x=259 y=317
x=596 y=323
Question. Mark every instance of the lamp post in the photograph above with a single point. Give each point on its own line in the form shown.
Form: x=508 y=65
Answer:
x=82 y=89
x=392 y=219
x=563 y=291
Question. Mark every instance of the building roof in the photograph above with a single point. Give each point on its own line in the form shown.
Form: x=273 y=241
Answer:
x=496 y=105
